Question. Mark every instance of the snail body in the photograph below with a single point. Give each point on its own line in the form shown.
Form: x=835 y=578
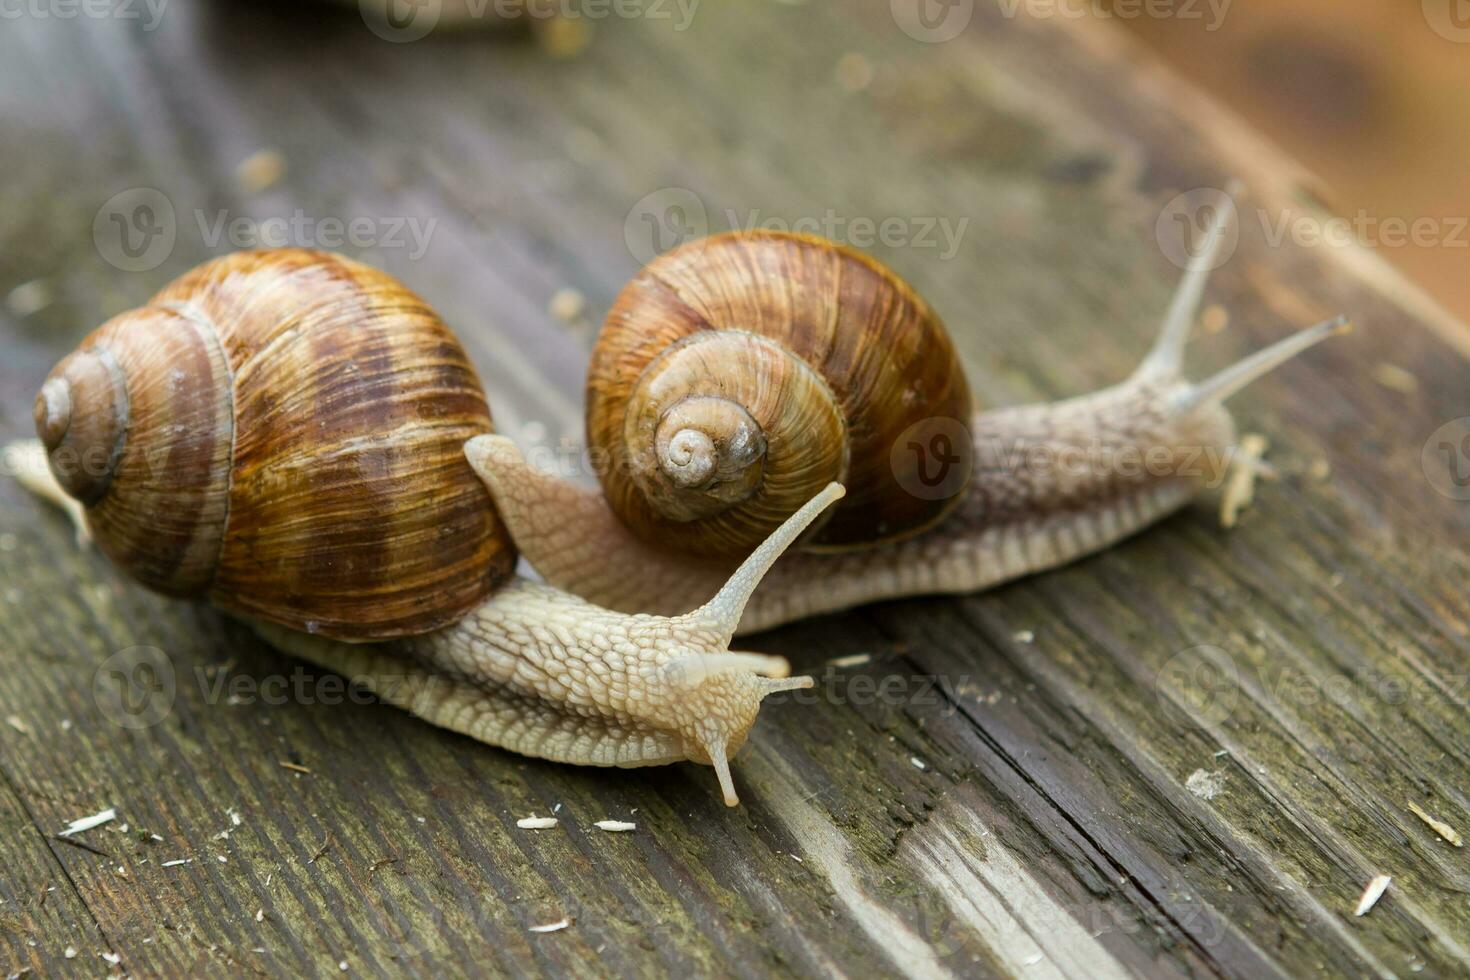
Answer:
x=617 y=659
x=1046 y=483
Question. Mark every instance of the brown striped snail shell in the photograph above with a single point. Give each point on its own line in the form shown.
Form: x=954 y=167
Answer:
x=283 y=432
x=737 y=375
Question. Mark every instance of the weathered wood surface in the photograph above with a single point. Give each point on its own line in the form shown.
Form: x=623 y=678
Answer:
x=1102 y=799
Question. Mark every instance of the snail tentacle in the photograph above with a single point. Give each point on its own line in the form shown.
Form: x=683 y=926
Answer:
x=26 y=459
x=547 y=674
x=544 y=673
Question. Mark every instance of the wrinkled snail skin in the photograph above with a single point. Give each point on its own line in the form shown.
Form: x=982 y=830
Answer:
x=547 y=674
x=1015 y=519
x=1051 y=483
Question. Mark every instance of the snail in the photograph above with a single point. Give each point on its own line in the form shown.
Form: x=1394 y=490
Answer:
x=297 y=437
x=1046 y=483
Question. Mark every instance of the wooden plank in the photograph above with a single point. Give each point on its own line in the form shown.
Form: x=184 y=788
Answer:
x=1091 y=802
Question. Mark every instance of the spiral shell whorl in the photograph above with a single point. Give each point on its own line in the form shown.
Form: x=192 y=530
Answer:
x=703 y=440
x=727 y=434
x=827 y=353
x=81 y=417
x=137 y=425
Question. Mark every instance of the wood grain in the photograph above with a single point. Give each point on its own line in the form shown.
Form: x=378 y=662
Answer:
x=1185 y=757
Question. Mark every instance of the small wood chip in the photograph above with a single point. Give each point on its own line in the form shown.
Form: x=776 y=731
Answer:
x=14 y=722
x=294 y=767
x=176 y=862
x=854 y=72
x=1395 y=378
x=1450 y=834
x=1214 y=318
x=326 y=844
x=1024 y=636
x=87 y=823
x=567 y=305
x=1372 y=894
x=28 y=297
x=851 y=660
x=917 y=762
x=553 y=926
x=260 y=170
x=564 y=37
x=615 y=826
x=1240 y=486
x=536 y=823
